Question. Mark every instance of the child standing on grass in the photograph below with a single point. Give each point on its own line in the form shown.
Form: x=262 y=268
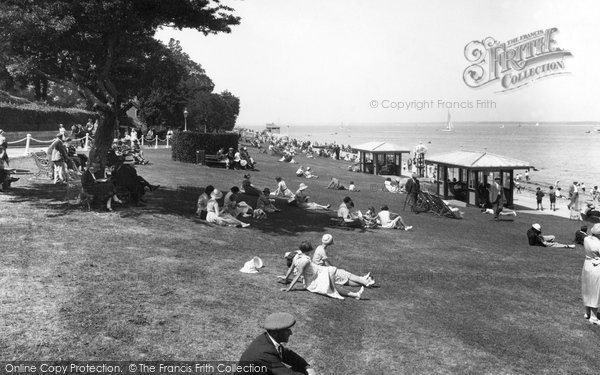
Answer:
x=539 y=194
x=552 y=195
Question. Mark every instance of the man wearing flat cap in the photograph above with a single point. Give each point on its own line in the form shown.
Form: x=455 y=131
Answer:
x=266 y=354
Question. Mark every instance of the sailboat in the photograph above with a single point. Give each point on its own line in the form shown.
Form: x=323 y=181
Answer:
x=449 y=126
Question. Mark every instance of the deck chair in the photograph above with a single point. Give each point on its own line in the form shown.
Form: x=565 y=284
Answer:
x=424 y=203
x=43 y=164
x=445 y=209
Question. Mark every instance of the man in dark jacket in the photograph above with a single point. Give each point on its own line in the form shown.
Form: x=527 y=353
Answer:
x=412 y=187
x=535 y=238
x=266 y=355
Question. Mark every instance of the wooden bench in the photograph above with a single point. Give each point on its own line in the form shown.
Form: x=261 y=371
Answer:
x=213 y=160
x=43 y=164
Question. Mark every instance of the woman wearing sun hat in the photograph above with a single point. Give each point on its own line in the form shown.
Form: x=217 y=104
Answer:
x=214 y=214
x=317 y=279
x=590 y=275
x=341 y=277
x=302 y=200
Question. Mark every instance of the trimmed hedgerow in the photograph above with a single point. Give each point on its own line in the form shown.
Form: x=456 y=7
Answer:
x=35 y=117
x=185 y=144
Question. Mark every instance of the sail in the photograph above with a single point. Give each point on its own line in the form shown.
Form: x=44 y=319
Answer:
x=449 y=125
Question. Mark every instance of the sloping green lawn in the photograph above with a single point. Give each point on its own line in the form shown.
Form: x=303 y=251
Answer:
x=150 y=283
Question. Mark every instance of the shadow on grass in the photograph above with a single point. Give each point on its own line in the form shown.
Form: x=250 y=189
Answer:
x=60 y=200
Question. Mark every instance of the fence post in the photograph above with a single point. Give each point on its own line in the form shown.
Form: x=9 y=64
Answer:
x=156 y=142
x=27 y=142
x=87 y=142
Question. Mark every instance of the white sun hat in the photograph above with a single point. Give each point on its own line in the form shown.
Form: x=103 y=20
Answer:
x=252 y=265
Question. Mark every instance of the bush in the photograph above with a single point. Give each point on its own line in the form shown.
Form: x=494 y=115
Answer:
x=35 y=117
x=185 y=144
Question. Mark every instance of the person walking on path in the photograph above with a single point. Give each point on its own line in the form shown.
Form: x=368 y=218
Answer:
x=266 y=352
x=574 y=204
x=412 y=187
x=496 y=196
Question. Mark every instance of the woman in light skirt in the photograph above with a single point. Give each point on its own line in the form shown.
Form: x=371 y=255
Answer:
x=590 y=275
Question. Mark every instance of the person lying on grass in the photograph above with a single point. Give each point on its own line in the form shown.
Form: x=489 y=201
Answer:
x=535 y=238
x=317 y=279
x=215 y=215
x=342 y=277
x=302 y=200
x=385 y=219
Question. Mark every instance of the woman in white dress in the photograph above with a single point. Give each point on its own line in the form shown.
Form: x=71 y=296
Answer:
x=215 y=215
x=317 y=279
x=386 y=222
x=590 y=275
x=282 y=190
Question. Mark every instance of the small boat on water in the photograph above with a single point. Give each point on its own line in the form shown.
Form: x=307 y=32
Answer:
x=449 y=125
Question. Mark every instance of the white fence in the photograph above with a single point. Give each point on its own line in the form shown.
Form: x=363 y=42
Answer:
x=88 y=140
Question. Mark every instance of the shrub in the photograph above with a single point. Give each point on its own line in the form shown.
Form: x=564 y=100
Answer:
x=35 y=117
x=185 y=144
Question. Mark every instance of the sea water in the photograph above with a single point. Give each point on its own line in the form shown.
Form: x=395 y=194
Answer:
x=559 y=151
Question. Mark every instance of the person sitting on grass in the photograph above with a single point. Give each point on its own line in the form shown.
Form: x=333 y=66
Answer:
x=202 y=204
x=302 y=200
x=265 y=203
x=249 y=189
x=317 y=279
x=335 y=184
x=385 y=219
x=391 y=186
x=535 y=238
x=341 y=277
x=125 y=175
x=352 y=220
x=309 y=174
x=282 y=190
x=581 y=234
x=300 y=172
x=352 y=187
x=95 y=183
x=217 y=216
x=233 y=207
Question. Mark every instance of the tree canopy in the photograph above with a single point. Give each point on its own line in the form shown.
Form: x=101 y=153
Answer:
x=103 y=49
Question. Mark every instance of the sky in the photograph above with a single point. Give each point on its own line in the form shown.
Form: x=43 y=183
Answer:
x=359 y=61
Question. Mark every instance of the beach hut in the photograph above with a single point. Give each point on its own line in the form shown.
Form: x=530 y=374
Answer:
x=380 y=157
x=463 y=175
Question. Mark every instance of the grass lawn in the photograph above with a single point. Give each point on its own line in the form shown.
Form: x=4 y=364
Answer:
x=155 y=283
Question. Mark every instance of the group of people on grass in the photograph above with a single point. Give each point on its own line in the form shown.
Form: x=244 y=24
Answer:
x=237 y=158
x=118 y=181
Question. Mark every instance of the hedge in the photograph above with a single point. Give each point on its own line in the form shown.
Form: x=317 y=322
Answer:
x=185 y=144
x=34 y=117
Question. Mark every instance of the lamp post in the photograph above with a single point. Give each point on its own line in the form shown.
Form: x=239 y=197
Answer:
x=185 y=113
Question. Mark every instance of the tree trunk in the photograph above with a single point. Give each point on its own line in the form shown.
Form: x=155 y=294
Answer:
x=103 y=138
